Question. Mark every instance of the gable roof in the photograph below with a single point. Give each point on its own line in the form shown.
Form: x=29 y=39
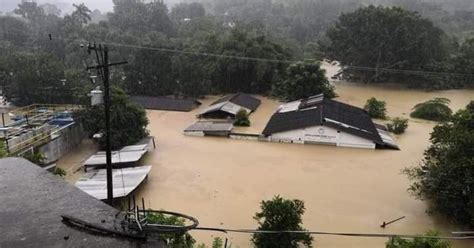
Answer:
x=165 y=103
x=318 y=110
x=244 y=100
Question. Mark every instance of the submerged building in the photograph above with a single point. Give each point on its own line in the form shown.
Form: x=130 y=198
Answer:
x=320 y=120
x=228 y=106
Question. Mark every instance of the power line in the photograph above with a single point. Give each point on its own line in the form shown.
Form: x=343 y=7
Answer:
x=257 y=59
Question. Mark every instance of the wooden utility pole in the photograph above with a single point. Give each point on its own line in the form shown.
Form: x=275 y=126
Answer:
x=102 y=67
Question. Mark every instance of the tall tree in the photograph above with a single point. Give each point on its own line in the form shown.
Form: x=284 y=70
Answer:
x=303 y=79
x=446 y=174
x=382 y=37
x=128 y=120
x=281 y=214
x=81 y=14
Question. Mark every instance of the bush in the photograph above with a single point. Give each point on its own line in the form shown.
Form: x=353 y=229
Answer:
x=59 y=172
x=178 y=240
x=242 y=118
x=397 y=125
x=418 y=242
x=434 y=110
x=375 y=108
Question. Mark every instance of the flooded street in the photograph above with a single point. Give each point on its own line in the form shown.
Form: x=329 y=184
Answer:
x=222 y=181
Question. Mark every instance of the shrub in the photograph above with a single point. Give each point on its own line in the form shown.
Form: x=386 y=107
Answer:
x=59 y=172
x=376 y=108
x=242 y=118
x=434 y=110
x=397 y=125
x=178 y=240
x=418 y=242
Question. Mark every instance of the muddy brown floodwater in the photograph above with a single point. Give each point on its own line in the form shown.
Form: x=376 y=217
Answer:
x=222 y=181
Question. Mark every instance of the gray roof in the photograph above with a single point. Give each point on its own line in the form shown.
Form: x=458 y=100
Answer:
x=319 y=110
x=33 y=201
x=166 y=103
x=231 y=104
x=245 y=100
x=210 y=126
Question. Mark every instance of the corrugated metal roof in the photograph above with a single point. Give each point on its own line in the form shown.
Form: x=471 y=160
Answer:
x=124 y=181
x=128 y=154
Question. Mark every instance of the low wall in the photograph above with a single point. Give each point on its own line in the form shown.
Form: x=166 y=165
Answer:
x=244 y=136
x=62 y=143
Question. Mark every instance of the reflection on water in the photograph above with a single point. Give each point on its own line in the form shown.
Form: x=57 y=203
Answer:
x=222 y=181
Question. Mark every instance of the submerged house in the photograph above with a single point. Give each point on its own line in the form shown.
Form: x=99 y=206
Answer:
x=228 y=106
x=320 y=120
x=166 y=103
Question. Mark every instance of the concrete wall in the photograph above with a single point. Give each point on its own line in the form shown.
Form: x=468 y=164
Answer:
x=62 y=143
x=321 y=135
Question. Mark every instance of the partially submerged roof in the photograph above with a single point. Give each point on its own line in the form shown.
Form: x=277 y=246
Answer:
x=245 y=100
x=233 y=103
x=319 y=110
x=33 y=201
x=166 y=103
x=124 y=181
x=203 y=126
x=128 y=154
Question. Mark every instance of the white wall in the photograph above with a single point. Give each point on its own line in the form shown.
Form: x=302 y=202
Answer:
x=349 y=140
x=322 y=135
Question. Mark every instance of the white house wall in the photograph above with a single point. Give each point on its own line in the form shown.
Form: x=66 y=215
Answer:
x=349 y=140
x=322 y=135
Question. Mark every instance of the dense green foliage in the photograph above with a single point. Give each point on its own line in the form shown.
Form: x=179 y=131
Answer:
x=128 y=121
x=376 y=108
x=397 y=125
x=418 y=242
x=446 y=174
x=281 y=214
x=242 y=118
x=173 y=240
x=435 y=110
x=382 y=37
x=278 y=31
x=304 y=79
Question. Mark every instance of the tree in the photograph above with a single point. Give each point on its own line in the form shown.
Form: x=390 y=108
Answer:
x=376 y=108
x=182 y=11
x=242 y=118
x=37 y=78
x=303 y=79
x=29 y=10
x=445 y=177
x=384 y=37
x=81 y=14
x=419 y=242
x=435 y=110
x=281 y=214
x=397 y=125
x=128 y=120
